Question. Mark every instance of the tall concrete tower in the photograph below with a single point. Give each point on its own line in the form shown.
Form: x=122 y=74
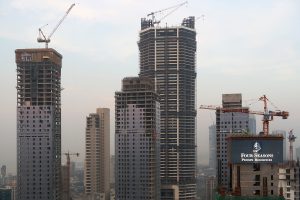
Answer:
x=38 y=124
x=212 y=148
x=137 y=146
x=97 y=154
x=168 y=57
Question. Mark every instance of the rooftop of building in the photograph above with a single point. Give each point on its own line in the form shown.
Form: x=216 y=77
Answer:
x=247 y=136
x=137 y=84
x=35 y=50
x=38 y=55
x=188 y=22
x=230 y=197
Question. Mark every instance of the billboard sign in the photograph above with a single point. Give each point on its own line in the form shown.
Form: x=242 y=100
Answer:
x=256 y=151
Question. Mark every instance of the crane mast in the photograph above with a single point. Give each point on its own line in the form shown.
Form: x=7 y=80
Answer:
x=292 y=139
x=42 y=37
x=66 y=192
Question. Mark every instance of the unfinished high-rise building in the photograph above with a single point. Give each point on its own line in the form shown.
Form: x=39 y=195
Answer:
x=212 y=148
x=38 y=124
x=137 y=140
x=168 y=57
x=97 y=154
x=226 y=123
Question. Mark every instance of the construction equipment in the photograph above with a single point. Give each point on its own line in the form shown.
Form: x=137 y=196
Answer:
x=292 y=139
x=42 y=37
x=267 y=114
x=172 y=8
x=66 y=190
x=68 y=157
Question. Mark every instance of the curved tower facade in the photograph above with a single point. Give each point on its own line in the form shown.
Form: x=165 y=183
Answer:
x=168 y=57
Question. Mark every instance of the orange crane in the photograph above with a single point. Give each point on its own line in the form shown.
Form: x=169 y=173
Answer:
x=172 y=8
x=267 y=114
x=66 y=192
x=42 y=37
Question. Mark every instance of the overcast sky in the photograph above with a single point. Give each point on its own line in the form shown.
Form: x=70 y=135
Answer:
x=248 y=47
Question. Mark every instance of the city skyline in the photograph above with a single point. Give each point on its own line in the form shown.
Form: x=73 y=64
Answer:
x=236 y=42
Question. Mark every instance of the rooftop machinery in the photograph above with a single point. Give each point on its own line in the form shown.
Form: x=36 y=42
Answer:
x=172 y=9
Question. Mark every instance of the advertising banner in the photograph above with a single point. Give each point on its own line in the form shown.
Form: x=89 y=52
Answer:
x=256 y=151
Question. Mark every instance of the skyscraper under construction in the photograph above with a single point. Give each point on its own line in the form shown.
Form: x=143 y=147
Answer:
x=137 y=137
x=38 y=124
x=167 y=56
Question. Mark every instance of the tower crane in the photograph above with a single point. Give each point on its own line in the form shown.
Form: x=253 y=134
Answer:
x=292 y=139
x=67 y=192
x=266 y=113
x=42 y=37
x=172 y=8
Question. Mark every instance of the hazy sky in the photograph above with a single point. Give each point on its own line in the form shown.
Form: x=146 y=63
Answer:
x=248 y=47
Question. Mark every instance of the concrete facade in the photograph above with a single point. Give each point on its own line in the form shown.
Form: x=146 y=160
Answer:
x=168 y=57
x=212 y=148
x=97 y=160
x=227 y=123
x=38 y=124
x=137 y=141
x=65 y=183
x=288 y=182
x=256 y=179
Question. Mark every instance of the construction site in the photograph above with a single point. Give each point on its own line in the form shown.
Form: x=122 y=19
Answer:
x=251 y=165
